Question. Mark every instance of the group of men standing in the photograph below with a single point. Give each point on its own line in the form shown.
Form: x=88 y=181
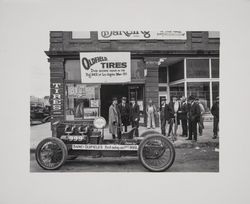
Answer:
x=123 y=114
x=189 y=113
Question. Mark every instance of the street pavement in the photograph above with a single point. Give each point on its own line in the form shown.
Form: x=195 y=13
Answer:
x=204 y=159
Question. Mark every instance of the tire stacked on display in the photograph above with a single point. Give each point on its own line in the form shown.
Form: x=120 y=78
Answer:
x=156 y=152
x=51 y=153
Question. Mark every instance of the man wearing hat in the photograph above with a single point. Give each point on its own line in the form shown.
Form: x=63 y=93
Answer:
x=124 y=110
x=193 y=118
x=215 y=113
x=163 y=116
x=135 y=115
x=114 y=119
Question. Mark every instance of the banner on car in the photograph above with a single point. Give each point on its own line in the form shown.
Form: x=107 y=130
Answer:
x=105 y=67
x=111 y=147
x=142 y=35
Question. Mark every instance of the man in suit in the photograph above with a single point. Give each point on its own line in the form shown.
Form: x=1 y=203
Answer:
x=135 y=115
x=124 y=110
x=114 y=119
x=163 y=116
x=172 y=115
x=183 y=115
x=193 y=118
x=215 y=113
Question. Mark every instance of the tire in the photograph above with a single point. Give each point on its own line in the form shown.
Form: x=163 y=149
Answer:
x=156 y=153
x=55 y=151
x=149 y=132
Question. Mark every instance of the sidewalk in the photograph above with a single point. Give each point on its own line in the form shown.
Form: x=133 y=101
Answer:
x=39 y=132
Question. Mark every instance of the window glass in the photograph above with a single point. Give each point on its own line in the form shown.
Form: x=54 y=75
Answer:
x=82 y=101
x=215 y=68
x=162 y=74
x=72 y=70
x=176 y=71
x=177 y=90
x=197 y=68
x=200 y=90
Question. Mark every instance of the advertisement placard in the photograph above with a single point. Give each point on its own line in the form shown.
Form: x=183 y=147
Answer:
x=142 y=35
x=105 y=67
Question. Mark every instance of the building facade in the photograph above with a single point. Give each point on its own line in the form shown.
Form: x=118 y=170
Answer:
x=161 y=65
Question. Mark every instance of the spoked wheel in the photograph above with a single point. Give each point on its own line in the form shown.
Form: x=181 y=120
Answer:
x=51 y=153
x=156 y=153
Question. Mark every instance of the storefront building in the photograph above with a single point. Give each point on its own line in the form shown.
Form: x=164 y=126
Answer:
x=88 y=69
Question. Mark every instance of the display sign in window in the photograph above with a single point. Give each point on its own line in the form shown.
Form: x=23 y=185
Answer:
x=82 y=101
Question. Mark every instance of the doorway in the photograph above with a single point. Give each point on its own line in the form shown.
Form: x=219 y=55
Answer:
x=107 y=93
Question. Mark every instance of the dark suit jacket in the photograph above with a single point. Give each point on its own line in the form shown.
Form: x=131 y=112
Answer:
x=183 y=111
x=194 y=112
x=124 y=113
x=170 y=110
x=134 y=112
x=215 y=110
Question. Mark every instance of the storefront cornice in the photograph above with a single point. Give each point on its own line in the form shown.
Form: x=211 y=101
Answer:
x=140 y=53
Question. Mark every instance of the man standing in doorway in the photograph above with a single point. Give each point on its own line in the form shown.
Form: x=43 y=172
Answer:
x=124 y=110
x=135 y=115
x=114 y=119
x=193 y=118
x=215 y=113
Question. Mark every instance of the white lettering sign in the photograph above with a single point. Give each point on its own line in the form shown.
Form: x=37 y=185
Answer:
x=142 y=35
x=105 y=147
x=56 y=102
x=105 y=67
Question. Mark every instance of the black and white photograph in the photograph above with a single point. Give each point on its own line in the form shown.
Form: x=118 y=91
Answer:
x=124 y=101
x=156 y=93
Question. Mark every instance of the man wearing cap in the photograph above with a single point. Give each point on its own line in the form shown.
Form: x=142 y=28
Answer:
x=163 y=116
x=114 y=119
x=124 y=110
x=193 y=118
x=215 y=113
x=135 y=115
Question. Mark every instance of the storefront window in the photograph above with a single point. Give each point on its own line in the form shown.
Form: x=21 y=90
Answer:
x=215 y=89
x=82 y=101
x=177 y=90
x=200 y=90
x=176 y=71
x=162 y=74
x=215 y=68
x=197 y=68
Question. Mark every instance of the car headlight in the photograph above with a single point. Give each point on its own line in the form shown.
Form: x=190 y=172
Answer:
x=99 y=123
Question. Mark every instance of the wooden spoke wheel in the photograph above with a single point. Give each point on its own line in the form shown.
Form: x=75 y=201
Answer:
x=51 y=153
x=156 y=153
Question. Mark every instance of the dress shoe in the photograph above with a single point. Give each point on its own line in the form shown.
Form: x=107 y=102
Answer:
x=188 y=139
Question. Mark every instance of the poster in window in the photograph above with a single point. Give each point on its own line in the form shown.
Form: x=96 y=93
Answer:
x=91 y=113
x=79 y=105
x=94 y=103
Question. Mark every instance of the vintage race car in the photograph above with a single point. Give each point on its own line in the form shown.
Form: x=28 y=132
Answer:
x=155 y=152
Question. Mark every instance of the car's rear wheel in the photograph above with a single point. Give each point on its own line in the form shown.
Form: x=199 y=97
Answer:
x=156 y=153
x=51 y=153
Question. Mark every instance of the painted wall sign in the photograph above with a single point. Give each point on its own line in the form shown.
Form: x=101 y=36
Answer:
x=105 y=67
x=142 y=35
x=57 y=105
